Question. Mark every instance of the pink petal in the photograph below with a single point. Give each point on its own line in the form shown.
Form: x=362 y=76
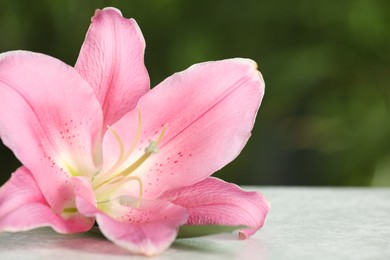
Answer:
x=23 y=207
x=215 y=202
x=51 y=120
x=208 y=111
x=112 y=61
x=148 y=230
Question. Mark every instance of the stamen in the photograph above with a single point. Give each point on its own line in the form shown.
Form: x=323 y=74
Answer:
x=135 y=165
x=110 y=181
x=121 y=147
x=136 y=178
x=152 y=148
x=122 y=181
x=125 y=172
x=121 y=157
x=162 y=133
x=137 y=136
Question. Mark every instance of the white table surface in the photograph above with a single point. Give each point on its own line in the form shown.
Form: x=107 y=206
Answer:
x=304 y=223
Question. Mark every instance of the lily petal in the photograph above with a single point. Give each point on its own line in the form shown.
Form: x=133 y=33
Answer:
x=112 y=61
x=147 y=230
x=204 y=114
x=23 y=207
x=50 y=119
x=215 y=202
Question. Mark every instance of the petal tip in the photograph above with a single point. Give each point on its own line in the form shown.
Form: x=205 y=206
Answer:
x=113 y=9
x=106 y=10
x=248 y=62
x=242 y=236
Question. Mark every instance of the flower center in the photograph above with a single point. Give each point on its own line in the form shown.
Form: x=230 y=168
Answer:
x=105 y=183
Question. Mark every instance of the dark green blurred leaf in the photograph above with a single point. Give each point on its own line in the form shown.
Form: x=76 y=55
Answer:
x=325 y=118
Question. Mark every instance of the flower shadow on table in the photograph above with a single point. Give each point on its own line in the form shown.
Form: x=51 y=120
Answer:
x=90 y=242
x=197 y=245
x=222 y=245
x=45 y=241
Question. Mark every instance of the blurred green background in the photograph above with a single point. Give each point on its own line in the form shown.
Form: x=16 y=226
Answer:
x=325 y=116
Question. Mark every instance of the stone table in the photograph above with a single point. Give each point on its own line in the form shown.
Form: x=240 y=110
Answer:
x=304 y=223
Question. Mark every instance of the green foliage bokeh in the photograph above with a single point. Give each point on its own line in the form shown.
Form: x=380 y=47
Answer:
x=325 y=116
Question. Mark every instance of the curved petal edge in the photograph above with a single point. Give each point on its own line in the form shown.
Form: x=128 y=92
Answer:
x=204 y=115
x=147 y=230
x=112 y=61
x=215 y=202
x=23 y=207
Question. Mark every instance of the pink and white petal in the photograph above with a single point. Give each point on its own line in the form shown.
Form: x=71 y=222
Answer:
x=215 y=202
x=51 y=120
x=23 y=207
x=112 y=61
x=147 y=230
x=208 y=111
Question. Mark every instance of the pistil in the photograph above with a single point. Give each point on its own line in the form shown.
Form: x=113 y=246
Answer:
x=107 y=183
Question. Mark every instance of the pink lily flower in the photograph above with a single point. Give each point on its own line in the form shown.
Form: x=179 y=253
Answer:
x=147 y=173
